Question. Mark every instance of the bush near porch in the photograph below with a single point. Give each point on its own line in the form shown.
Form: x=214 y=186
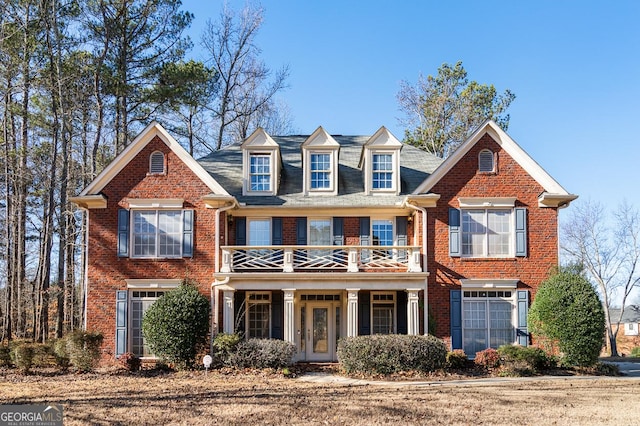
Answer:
x=392 y=353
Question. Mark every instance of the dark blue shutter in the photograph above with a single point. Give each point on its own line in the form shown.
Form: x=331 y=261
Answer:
x=454 y=233
x=301 y=231
x=521 y=231
x=364 y=318
x=123 y=233
x=365 y=239
x=239 y=311
x=401 y=235
x=276 y=231
x=277 y=315
x=338 y=231
x=402 y=312
x=121 y=322
x=456 y=319
x=241 y=231
x=187 y=233
x=522 y=332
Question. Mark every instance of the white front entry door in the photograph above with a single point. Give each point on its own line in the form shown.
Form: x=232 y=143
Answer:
x=320 y=332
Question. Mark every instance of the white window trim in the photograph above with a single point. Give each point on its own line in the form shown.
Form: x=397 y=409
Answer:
x=259 y=219
x=156 y=203
x=132 y=233
x=333 y=171
x=487 y=202
x=318 y=219
x=152 y=283
x=467 y=285
x=273 y=171
x=257 y=302
x=395 y=308
x=395 y=171
x=512 y=234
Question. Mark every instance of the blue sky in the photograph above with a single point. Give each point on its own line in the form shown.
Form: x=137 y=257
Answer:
x=573 y=65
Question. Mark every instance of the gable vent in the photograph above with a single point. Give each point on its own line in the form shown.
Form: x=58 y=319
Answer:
x=156 y=162
x=485 y=161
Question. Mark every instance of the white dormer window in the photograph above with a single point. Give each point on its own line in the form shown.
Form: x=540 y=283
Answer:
x=156 y=163
x=261 y=164
x=320 y=164
x=486 y=163
x=380 y=163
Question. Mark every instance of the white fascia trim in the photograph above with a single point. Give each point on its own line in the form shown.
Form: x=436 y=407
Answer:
x=156 y=203
x=149 y=283
x=489 y=283
x=509 y=145
x=87 y=202
x=555 y=200
x=152 y=130
x=487 y=201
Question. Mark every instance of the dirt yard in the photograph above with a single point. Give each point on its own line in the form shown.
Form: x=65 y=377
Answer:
x=196 y=399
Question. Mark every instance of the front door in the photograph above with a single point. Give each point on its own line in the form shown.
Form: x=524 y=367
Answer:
x=320 y=333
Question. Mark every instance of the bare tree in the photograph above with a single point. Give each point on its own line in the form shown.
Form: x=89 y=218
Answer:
x=609 y=251
x=244 y=90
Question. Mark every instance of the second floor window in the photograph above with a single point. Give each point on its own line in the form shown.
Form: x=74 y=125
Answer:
x=260 y=172
x=320 y=171
x=382 y=168
x=157 y=233
x=486 y=233
x=259 y=232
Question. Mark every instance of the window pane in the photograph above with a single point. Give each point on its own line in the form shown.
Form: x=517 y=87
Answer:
x=382 y=318
x=475 y=327
x=320 y=171
x=144 y=233
x=502 y=332
x=258 y=320
x=382 y=177
x=473 y=232
x=259 y=232
x=499 y=227
x=170 y=233
x=382 y=232
x=260 y=172
x=320 y=232
x=141 y=301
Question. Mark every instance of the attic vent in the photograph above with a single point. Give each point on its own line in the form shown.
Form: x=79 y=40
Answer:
x=485 y=161
x=156 y=163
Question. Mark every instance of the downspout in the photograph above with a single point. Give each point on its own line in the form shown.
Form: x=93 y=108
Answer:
x=424 y=261
x=86 y=272
x=215 y=292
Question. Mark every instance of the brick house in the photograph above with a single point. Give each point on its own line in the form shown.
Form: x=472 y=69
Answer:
x=311 y=238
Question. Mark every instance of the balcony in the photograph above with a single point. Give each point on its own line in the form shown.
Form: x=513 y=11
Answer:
x=320 y=259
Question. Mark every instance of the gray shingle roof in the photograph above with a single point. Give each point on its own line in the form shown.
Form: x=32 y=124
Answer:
x=225 y=166
x=631 y=314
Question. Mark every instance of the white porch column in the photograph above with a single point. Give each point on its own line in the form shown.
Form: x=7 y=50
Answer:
x=413 y=316
x=289 y=316
x=227 y=312
x=352 y=312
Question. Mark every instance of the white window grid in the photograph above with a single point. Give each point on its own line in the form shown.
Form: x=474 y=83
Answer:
x=383 y=313
x=487 y=319
x=382 y=171
x=258 y=315
x=320 y=171
x=157 y=233
x=487 y=232
x=260 y=172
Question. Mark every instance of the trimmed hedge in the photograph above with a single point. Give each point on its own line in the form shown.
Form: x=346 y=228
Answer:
x=392 y=353
x=457 y=359
x=524 y=361
x=261 y=353
x=82 y=349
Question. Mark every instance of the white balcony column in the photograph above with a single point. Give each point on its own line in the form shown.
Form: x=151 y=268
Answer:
x=288 y=260
x=413 y=316
x=414 y=260
x=352 y=312
x=227 y=260
x=227 y=312
x=289 y=316
x=352 y=260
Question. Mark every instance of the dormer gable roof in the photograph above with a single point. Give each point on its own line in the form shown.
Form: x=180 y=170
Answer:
x=381 y=139
x=259 y=139
x=554 y=194
x=145 y=137
x=320 y=139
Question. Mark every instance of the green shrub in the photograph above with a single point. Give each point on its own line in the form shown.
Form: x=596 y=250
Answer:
x=262 y=353
x=457 y=359
x=176 y=324
x=130 y=361
x=567 y=312
x=43 y=355
x=606 y=369
x=60 y=353
x=523 y=361
x=635 y=352
x=387 y=354
x=83 y=349
x=488 y=358
x=5 y=355
x=22 y=356
x=224 y=344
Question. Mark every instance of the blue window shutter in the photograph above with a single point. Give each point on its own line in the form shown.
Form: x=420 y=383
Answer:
x=277 y=314
x=401 y=235
x=123 y=233
x=521 y=231
x=454 y=233
x=364 y=313
x=187 y=233
x=365 y=238
x=338 y=231
x=401 y=313
x=301 y=231
x=276 y=231
x=241 y=230
x=121 y=322
x=456 y=319
x=522 y=332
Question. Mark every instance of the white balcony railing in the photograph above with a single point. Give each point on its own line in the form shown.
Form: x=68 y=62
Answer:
x=320 y=258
